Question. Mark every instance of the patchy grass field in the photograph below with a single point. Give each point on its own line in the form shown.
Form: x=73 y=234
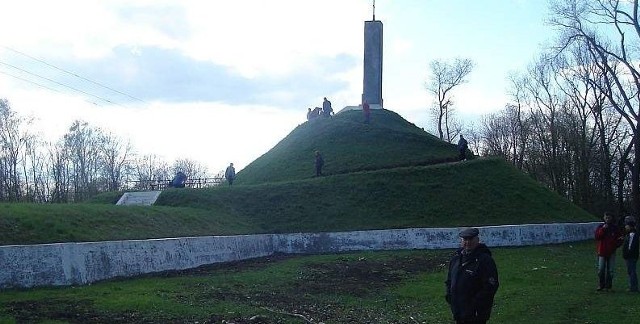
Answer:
x=545 y=284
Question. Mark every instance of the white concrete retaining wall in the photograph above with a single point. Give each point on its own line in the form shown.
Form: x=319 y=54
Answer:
x=82 y=263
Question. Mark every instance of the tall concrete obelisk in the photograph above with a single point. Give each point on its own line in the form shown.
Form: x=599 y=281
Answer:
x=372 y=85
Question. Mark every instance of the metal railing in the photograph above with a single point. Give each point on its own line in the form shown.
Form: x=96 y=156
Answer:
x=159 y=184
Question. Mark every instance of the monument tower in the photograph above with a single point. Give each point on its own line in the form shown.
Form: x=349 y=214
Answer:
x=372 y=85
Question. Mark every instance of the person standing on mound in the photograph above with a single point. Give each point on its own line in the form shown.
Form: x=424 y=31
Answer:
x=366 y=110
x=319 y=163
x=230 y=174
x=462 y=148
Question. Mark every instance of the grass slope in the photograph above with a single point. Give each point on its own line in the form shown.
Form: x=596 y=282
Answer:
x=479 y=192
x=40 y=223
x=348 y=145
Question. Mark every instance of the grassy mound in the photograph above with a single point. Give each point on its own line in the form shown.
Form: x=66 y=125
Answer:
x=479 y=192
x=348 y=145
x=389 y=174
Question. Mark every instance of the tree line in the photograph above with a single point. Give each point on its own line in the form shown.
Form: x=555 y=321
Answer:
x=85 y=161
x=573 y=115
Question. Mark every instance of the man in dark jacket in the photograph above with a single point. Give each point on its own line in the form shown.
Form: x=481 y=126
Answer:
x=630 y=252
x=327 y=111
x=319 y=164
x=462 y=148
x=472 y=280
x=179 y=180
x=230 y=174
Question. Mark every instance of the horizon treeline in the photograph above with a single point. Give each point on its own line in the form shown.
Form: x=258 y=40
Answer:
x=85 y=161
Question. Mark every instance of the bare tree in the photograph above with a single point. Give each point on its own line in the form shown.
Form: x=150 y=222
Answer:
x=116 y=160
x=40 y=177
x=60 y=171
x=83 y=144
x=34 y=169
x=519 y=128
x=503 y=133
x=591 y=130
x=192 y=169
x=546 y=107
x=474 y=138
x=150 y=169
x=13 y=134
x=610 y=31
x=444 y=77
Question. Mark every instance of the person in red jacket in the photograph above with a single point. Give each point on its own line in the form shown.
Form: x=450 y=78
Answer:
x=608 y=238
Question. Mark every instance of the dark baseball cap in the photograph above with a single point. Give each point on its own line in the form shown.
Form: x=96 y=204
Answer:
x=469 y=232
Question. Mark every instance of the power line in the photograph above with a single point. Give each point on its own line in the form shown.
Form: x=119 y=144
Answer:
x=59 y=83
x=73 y=74
x=38 y=84
x=27 y=80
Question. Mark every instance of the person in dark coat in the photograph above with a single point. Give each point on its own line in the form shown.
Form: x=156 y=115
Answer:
x=327 y=110
x=472 y=281
x=179 y=180
x=319 y=164
x=608 y=238
x=462 y=148
x=630 y=252
x=230 y=174
x=366 y=110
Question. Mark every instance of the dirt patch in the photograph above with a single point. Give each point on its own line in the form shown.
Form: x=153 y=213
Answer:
x=360 y=277
x=70 y=311
x=308 y=296
x=241 y=265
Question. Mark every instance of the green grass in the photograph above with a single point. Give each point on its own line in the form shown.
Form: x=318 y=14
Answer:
x=544 y=284
x=348 y=145
x=478 y=192
x=40 y=223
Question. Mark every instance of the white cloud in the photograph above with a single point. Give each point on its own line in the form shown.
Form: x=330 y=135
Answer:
x=253 y=38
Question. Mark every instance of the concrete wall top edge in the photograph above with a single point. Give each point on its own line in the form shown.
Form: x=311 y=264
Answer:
x=307 y=233
x=164 y=239
x=440 y=228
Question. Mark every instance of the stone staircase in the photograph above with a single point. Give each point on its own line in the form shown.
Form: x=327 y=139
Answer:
x=139 y=198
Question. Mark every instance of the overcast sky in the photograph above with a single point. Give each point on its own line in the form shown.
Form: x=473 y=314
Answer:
x=224 y=81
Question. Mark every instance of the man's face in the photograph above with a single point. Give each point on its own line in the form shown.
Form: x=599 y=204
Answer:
x=469 y=243
x=608 y=219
